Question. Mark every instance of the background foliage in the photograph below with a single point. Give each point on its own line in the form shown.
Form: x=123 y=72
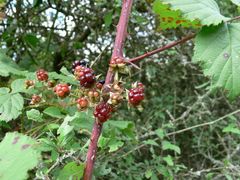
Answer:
x=152 y=144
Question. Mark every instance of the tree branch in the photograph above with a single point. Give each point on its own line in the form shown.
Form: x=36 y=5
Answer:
x=117 y=52
x=168 y=46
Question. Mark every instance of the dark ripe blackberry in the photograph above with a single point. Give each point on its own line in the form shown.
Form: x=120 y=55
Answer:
x=100 y=84
x=102 y=81
x=103 y=112
x=78 y=63
x=85 y=75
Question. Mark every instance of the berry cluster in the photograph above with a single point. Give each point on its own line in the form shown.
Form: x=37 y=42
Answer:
x=35 y=99
x=85 y=75
x=42 y=75
x=62 y=90
x=78 y=63
x=136 y=95
x=103 y=112
x=92 y=94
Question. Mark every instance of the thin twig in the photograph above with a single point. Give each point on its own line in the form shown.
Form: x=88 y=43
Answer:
x=183 y=130
x=168 y=46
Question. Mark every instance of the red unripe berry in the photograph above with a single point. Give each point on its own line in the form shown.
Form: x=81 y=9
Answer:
x=117 y=62
x=103 y=112
x=62 y=90
x=42 y=75
x=82 y=103
x=136 y=95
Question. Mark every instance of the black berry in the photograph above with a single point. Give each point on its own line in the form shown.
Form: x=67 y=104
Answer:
x=85 y=75
x=78 y=63
x=103 y=112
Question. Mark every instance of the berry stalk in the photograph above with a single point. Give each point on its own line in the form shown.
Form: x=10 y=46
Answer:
x=117 y=52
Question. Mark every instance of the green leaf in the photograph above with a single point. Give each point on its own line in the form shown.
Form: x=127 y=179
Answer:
x=166 y=145
x=64 y=71
x=163 y=170
x=10 y=106
x=154 y=177
x=114 y=145
x=168 y=160
x=36 y=3
x=65 y=128
x=47 y=145
x=206 y=11
x=18 y=85
x=71 y=171
x=217 y=49
x=172 y=18
x=148 y=173
x=67 y=79
x=4 y=90
x=108 y=19
x=17 y=156
x=102 y=142
x=7 y=66
x=232 y=129
x=160 y=133
x=34 y=115
x=125 y=127
x=237 y=2
x=31 y=40
x=53 y=112
x=228 y=177
x=83 y=121
x=150 y=142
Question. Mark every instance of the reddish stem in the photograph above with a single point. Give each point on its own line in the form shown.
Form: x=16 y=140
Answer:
x=117 y=52
x=92 y=150
x=120 y=36
x=168 y=46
